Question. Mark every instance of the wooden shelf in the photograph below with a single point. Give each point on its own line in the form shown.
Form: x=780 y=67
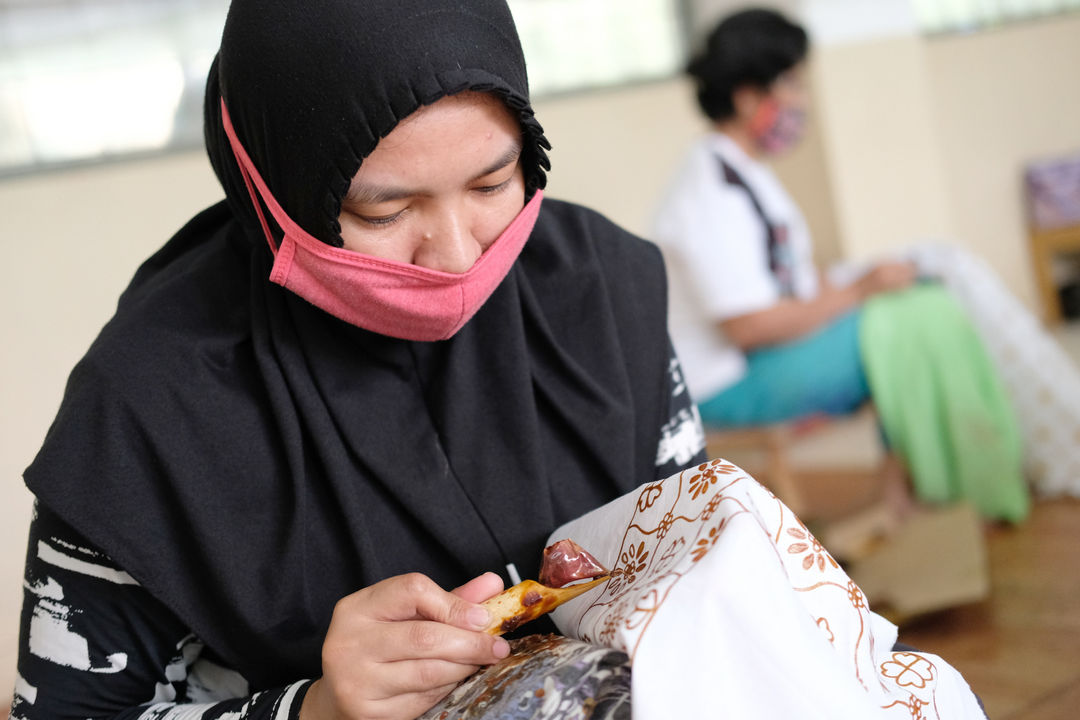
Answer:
x=1045 y=245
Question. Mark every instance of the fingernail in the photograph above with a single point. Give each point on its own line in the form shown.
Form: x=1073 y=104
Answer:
x=500 y=648
x=478 y=616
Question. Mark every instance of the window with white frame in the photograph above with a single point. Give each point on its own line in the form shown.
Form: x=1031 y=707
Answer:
x=574 y=44
x=85 y=80
x=937 y=16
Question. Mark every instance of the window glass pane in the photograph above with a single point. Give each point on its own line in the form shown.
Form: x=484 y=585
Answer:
x=83 y=80
x=571 y=44
x=935 y=16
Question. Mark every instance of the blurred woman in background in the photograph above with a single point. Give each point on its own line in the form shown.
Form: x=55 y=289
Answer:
x=765 y=337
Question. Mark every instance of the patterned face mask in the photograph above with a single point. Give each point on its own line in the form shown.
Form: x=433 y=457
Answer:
x=777 y=128
x=384 y=296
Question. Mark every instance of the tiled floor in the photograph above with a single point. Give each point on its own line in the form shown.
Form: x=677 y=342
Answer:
x=1020 y=649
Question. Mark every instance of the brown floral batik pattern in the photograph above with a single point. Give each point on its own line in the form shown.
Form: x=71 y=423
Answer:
x=673 y=526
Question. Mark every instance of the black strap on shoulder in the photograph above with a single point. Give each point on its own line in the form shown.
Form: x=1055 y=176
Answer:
x=776 y=235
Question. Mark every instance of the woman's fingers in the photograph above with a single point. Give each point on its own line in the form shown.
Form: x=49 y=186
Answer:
x=395 y=648
x=411 y=617
x=429 y=640
x=423 y=677
x=414 y=596
x=480 y=588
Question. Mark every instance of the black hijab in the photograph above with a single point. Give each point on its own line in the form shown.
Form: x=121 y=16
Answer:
x=250 y=459
x=312 y=86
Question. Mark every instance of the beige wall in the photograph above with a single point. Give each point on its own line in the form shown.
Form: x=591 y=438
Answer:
x=615 y=151
x=880 y=144
x=927 y=138
x=913 y=137
x=1001 y=99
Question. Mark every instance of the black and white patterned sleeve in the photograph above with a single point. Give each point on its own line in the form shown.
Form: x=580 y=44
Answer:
x=682 y=436
x=94 y=643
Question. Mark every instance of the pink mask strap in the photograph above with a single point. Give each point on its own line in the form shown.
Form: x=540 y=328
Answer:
x=251 y=175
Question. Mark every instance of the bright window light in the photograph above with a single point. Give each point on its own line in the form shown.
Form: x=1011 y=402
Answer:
x=937 y=16
x=574 y=44
x=87 y=80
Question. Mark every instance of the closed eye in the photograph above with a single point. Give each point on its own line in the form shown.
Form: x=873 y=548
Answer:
x=492 y=189
x=383 y=221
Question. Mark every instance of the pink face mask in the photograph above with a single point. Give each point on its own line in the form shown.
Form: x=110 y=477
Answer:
x=777 y=128
x=385 y=296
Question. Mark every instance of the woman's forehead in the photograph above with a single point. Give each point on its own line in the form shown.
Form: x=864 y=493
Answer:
x=449 y=104
x=462 y=116
x=467 y=135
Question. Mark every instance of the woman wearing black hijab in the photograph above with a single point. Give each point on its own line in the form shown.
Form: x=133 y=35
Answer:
x=382 y=367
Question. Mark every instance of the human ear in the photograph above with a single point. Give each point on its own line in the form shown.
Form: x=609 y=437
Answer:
x=746 y=100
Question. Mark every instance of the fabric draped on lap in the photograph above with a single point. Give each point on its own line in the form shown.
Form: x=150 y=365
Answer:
x=821 y=373
x=546 y=677
x=729 y=607
x=1043 y=382
x=941 y=402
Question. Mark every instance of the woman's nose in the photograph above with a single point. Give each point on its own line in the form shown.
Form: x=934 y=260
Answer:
x=447 y=245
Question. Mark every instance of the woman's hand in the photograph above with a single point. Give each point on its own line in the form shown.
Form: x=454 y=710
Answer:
x=396 y=648
x=887 y=277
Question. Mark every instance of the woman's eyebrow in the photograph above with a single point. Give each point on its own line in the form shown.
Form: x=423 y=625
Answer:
x=368 y=194
x=510 y=156
x=364 y=194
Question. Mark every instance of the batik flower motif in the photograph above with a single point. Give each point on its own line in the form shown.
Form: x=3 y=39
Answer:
x=632 y=561
x=705 y=544
x=855 y=595
x=707 y=475
x=665 y=526
x=649 y=495
x=914 y=706
x=615 y=584
x=701 y=482
x=710 y=508
x=807 y=543
x=610 y=627
x=908 y=670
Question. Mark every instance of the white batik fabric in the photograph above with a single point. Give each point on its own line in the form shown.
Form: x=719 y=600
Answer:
x=94 y=643
x=1043 y=382
x=729 y=607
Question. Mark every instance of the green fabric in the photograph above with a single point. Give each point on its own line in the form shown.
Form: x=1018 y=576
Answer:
x=941 y=403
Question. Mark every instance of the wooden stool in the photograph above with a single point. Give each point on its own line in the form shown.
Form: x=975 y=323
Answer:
x=845 y=506
x=771 y=441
